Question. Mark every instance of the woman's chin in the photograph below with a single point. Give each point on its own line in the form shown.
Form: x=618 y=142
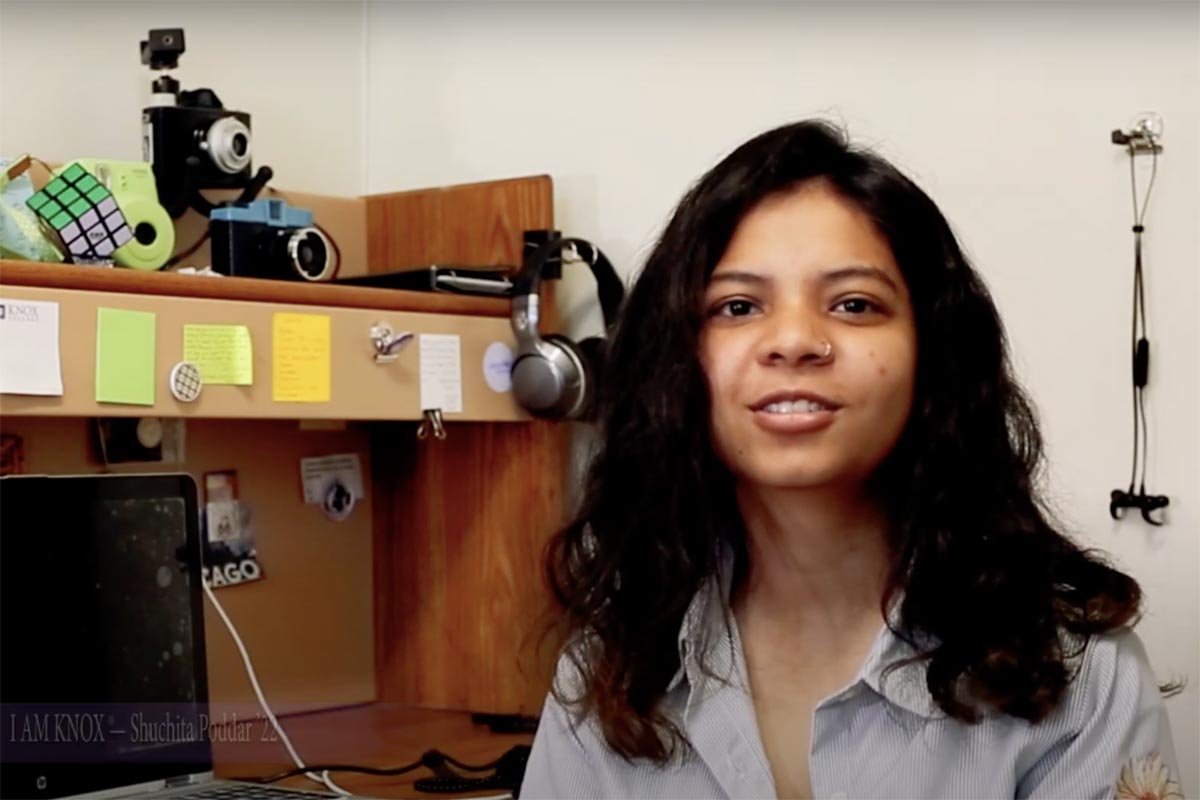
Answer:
x=808 y=477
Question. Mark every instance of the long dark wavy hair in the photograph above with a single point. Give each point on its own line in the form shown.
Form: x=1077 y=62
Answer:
x=987 y=583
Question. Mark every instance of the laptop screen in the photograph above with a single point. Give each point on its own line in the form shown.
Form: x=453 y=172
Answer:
x=102 y=664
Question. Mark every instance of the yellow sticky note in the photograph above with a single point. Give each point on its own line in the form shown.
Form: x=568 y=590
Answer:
x=300 y=358
x=222 y=352
x=125 y=356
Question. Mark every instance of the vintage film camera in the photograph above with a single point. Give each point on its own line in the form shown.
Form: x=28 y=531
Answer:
x=192 y=140
x=270 y=239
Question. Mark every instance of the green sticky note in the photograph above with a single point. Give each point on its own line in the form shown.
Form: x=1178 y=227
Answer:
x=222 y=352
x=125 y=356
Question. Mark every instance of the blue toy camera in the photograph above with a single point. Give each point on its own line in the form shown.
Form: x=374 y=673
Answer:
x=270 y=239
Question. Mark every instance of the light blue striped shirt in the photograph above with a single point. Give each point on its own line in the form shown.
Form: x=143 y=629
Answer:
x=877 y=737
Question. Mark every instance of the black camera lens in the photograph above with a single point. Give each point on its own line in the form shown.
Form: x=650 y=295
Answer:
x=240 y=144
x=311 y=255
x=308 y=252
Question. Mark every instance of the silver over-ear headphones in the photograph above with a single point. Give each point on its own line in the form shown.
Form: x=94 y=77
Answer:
x=552 y=376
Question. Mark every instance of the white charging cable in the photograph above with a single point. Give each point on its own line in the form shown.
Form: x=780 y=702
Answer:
x=323 y=778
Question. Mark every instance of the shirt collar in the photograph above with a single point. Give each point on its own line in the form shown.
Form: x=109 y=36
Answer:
x=704 y=624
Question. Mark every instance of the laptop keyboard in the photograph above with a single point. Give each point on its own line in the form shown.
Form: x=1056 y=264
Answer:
x=244 y=791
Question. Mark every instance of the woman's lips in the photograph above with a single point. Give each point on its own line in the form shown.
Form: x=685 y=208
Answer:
x=795 y=422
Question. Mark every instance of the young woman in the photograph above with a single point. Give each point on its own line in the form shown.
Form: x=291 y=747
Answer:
x=810 y=560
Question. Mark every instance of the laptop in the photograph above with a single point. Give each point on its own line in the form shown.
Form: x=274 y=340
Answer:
x=103 y=684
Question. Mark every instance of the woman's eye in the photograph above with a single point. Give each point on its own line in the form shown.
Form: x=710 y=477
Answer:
x=734 y=308
x=857 y=305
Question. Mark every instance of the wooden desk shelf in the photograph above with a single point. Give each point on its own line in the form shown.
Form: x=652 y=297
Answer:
x=360 y=389
x=173 y=284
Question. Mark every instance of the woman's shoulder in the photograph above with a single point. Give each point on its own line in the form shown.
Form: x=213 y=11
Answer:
x=1111 y=668
x=1110 y=732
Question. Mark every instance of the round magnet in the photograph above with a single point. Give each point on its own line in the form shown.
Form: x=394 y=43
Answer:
x=185 y=381
x=149 y=432
x=497 y=367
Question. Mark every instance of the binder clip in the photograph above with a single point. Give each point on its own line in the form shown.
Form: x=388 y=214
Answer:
x=432 y=423
x=387 y=342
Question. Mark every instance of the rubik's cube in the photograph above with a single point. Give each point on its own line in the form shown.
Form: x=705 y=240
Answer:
x=83 y=213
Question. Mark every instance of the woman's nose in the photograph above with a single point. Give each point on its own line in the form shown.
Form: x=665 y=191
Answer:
x=794 y=340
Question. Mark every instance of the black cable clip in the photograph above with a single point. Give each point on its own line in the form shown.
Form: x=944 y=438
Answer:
x=1146 y=502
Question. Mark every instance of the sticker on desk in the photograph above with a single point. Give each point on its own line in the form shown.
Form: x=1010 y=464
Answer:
x=317 y=473
x=222 y=352
x=230 y=555
x=125 y=356
x=497 y=367
x=300 y=361
x=29 y=359
x=441 y=372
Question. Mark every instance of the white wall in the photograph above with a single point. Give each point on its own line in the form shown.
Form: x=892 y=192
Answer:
x=72 y=84
x=1002 y=113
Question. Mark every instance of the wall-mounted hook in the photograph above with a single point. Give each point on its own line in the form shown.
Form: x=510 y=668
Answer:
x=432 y=423
x=387 y=342
x=1143 y=136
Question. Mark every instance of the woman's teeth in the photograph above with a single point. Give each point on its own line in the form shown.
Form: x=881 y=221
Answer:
x=795 y=407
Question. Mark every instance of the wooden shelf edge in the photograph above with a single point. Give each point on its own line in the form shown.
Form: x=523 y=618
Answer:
x=14 y=406
x=540 y=177
x=99 y=279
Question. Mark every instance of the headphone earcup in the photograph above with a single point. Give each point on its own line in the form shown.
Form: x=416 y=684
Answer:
x=594 y=354
x=551 y=382
x=577 y=384
x=594 y=351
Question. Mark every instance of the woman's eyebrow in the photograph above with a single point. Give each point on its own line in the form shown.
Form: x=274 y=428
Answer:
x=732 y=276
x=858 y=271
x=831 y=276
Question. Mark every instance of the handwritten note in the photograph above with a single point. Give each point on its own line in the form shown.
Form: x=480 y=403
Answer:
x=441 y=372
x=222 y=352
x=125 y=356
x=300 y=363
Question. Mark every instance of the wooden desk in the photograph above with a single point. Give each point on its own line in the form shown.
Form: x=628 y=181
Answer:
x=374 y=735
x=431 y=593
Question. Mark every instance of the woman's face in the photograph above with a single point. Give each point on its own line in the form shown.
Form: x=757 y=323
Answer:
x=804 y=269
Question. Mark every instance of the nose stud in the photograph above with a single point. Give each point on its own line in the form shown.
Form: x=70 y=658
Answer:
x=828 y=350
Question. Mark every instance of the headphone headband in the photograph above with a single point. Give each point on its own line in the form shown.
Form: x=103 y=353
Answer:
x=608 y=284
